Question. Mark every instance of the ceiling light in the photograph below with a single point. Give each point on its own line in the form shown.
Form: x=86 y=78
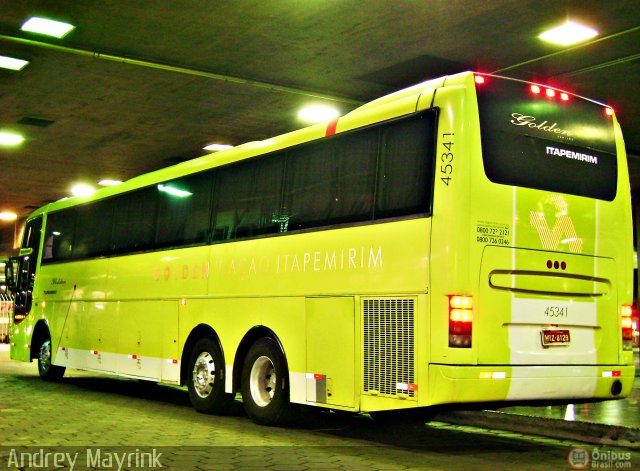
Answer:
x=10 y=139
x=569 y=33
x=11 y=63
x=217 y=147
x=8 y=216
x=107 y=182
x=318 y=113
x=82 y=190
x=53 y=28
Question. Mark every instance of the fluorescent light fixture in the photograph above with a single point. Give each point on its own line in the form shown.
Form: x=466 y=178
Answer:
x=8 y=216
x=318 y=113
x=107 y=182
x=10 y=139
x=82 y=190
x=57 y=29
x=569 y=33
x=217 y=147
x=174 y=191
x=11 y=63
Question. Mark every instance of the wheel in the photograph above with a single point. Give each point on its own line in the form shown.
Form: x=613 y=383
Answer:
x=206 y=378
x=48 y=371
x=265 y=384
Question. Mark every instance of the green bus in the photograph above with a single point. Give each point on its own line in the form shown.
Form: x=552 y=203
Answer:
x=464 y=240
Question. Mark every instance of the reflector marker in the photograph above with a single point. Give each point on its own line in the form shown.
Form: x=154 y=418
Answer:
x=94 y=352
x=493 y=375
x=611 y=374
x=331 y=127
x=172 y=361
x=132 y=357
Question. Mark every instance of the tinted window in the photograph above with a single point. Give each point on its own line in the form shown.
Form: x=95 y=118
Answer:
x=134 y=224
x=184 y=211
x=58 y=242
x=405 y=169
x=534 y=141
x=93 y=234
x=247 y=199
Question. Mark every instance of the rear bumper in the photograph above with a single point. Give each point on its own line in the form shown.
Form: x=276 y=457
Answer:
x=468 y=384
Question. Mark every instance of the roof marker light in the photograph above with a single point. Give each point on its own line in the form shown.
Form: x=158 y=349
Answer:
x=550 y=92
x=479 y=79
x=535 y=89
x=564 y=96
x=609 y=111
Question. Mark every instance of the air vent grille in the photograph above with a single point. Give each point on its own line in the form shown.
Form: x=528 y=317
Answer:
x=389 y=347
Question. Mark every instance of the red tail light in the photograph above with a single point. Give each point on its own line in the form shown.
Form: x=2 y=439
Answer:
x=460 y=321
x=626 y=322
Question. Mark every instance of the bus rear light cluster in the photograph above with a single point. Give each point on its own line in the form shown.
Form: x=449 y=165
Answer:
x=550 y=92
x=626 y=322
x=460 y=321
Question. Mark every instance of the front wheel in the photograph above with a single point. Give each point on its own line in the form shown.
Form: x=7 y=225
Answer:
x=265 y=384
x=46 y=369
x=206 y=378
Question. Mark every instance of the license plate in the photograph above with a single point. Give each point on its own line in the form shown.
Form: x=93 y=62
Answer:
x=555 y=338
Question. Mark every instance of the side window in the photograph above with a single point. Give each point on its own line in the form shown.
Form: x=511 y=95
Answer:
x=311 y=186
x=184 y=211
x=356 y=157
x=59 y=235
x=134 y=225
x=332 y=182
x=405 y=168
x=247 y=199
x=93 y=229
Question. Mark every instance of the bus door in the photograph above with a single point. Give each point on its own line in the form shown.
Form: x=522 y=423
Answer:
x=26 y=275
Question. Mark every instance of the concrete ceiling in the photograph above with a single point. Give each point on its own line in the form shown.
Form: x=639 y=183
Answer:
x=141 y=85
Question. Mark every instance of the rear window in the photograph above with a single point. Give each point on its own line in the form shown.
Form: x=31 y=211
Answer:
x=548 y=143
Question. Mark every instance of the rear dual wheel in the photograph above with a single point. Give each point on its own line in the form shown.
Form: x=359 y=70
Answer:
x=265 y=384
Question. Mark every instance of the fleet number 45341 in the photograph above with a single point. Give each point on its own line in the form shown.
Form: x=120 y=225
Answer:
x=446 y=158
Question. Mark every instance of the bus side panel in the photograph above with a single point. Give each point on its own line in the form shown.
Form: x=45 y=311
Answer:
x=451 y=266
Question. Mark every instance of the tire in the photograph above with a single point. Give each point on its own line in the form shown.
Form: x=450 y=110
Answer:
x=265 y=384
x=205 y=380
x=46 y=370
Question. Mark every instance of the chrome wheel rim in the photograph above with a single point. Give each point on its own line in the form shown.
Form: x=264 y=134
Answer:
x=262 y=381
x=204 y=374
x=45 y=355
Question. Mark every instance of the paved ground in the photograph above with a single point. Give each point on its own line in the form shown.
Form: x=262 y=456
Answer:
x=105 y=419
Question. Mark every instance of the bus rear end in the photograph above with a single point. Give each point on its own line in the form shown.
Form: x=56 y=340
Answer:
x=538 y=306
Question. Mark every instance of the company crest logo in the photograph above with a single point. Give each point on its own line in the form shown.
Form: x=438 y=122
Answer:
x=563 y=230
